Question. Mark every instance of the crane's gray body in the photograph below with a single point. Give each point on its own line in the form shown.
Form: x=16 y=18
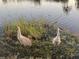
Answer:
x=22 y=39
x=57 y=40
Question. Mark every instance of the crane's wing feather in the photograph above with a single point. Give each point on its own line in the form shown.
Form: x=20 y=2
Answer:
x=25 y=41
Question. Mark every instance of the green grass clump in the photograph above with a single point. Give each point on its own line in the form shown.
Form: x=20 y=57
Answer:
x=28 y=28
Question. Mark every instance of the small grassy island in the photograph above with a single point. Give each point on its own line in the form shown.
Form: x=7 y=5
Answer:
x=41 y=33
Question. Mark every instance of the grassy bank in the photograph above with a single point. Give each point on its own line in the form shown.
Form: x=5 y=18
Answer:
x=41 y=32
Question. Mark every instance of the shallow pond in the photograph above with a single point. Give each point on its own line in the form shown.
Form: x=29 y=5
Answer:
x=66 y=12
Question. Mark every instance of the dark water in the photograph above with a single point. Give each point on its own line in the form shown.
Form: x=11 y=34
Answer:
x=66 y=12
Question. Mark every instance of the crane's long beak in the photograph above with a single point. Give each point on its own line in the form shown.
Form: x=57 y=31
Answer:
x=60 y=29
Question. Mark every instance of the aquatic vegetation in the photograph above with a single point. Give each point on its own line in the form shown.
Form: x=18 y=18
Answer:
x=41 y=32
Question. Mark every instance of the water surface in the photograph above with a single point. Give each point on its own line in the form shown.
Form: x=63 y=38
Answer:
x=66 y=12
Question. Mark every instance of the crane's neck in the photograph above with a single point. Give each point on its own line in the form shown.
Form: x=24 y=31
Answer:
x=58 y=32
x=18 y=32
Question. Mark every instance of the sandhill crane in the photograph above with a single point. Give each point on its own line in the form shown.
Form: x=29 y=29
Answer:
x=22 y=39
x=57 y=40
